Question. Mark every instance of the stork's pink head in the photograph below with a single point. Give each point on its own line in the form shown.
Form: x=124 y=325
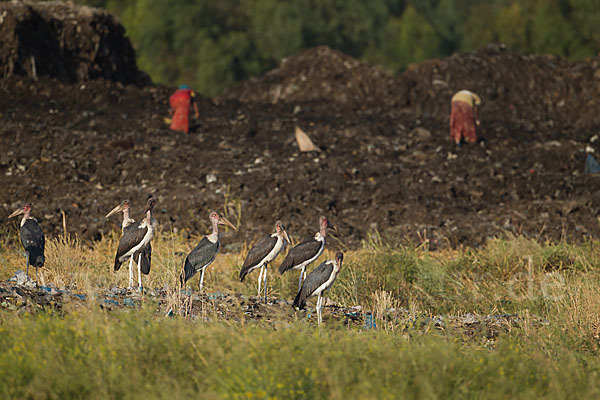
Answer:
x=217 y=219
x=280 y=230
x=150 y=204
x=123 y=207
x=25 y=210
x=324 y=223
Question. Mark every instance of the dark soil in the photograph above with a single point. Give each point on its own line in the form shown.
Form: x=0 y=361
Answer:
x=387 y=162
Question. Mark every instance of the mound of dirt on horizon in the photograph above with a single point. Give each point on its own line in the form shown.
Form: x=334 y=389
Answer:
x=316 y=74
x=64 y=41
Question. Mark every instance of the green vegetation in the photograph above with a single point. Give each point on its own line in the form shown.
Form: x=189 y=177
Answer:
x=99 y=356
x=552 y=351
x=212 y=44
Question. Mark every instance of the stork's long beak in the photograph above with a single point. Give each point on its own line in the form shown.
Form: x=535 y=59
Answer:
x=16 y=212
x=115 y=210
x=225 y=221
x=339 y=257
x=286 y=237
x=330 y=226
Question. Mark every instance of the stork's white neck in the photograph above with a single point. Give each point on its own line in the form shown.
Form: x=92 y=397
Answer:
x=323 y=230
x=213 y=237
x=126 y=219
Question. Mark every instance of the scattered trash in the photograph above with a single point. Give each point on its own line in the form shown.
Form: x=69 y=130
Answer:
x=591 y=165
x=304 y=142
x=369 y=322
x=21 y=278
x=128 y=302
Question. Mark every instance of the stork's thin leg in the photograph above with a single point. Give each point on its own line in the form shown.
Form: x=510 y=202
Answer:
x=131 y=272
x=27 y=261
x=260 y=278
x=301 y=280
x=319 y=307
x=266 y=269
x=36 y=275
x=140 y=272
x=202 y=278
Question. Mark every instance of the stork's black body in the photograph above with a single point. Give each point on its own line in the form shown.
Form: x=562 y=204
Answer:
x=200 y=257
x=133 y=235
x=263 y=252
x=32 y=239
x=306 y=252
x=205 y=252
x=126 y=224
x=135 y=242
x=258 y=255
x=318 y=281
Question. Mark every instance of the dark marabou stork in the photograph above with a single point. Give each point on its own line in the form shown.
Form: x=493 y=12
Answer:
x=307 y=251
x=317 y=282
x=127 y=223
x=263 y=252
x=32 y=238
x=205 y=252
x=133 y=242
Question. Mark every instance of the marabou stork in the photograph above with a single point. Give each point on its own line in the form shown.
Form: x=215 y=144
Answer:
x=307 y=251
x=263 y=252
x=205 y=252
x=32 y=238
x=133 y=242
x=317 y=282
x=127 y=223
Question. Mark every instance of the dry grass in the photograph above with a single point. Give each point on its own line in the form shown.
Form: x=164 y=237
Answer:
x=103 y=355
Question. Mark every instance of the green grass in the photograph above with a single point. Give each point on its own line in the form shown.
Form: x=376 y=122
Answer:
x=90 y=353
x=135 y=355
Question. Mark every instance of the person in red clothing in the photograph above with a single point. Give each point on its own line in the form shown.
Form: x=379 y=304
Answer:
x=463 y=117
x=181 y=101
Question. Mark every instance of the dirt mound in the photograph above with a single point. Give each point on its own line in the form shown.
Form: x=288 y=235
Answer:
x=387 y=162
x=535 y=90
x=316 y=74
x=71 y=43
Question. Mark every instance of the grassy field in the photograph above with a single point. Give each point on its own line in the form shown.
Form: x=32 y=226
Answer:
x=552 y=351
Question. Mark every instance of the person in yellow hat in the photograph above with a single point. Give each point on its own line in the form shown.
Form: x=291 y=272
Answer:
x=181 y=101
x=463 y=117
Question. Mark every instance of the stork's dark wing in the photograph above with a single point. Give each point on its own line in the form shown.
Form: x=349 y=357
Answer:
x=303 y=251
x=257 y=254
x=202 y=255
x=146 y=258
x=313 y=281
x=132 y=236
x=33 y=242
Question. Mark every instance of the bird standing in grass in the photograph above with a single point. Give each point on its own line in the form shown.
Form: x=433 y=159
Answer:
x=32 y=239
x=134 y=241
x=205 y=252
x=128 y=222
x=307 y=251
x=317 y=282
x=263 y=252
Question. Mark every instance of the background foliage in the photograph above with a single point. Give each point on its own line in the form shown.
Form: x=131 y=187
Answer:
x=212 y=44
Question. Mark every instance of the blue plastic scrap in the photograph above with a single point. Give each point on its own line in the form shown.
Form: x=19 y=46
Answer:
x=369 y=322
x=128 y=302
x=591 y=165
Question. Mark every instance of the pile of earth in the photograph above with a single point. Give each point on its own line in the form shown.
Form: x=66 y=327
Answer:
x=387 y=163
x=64 y=41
